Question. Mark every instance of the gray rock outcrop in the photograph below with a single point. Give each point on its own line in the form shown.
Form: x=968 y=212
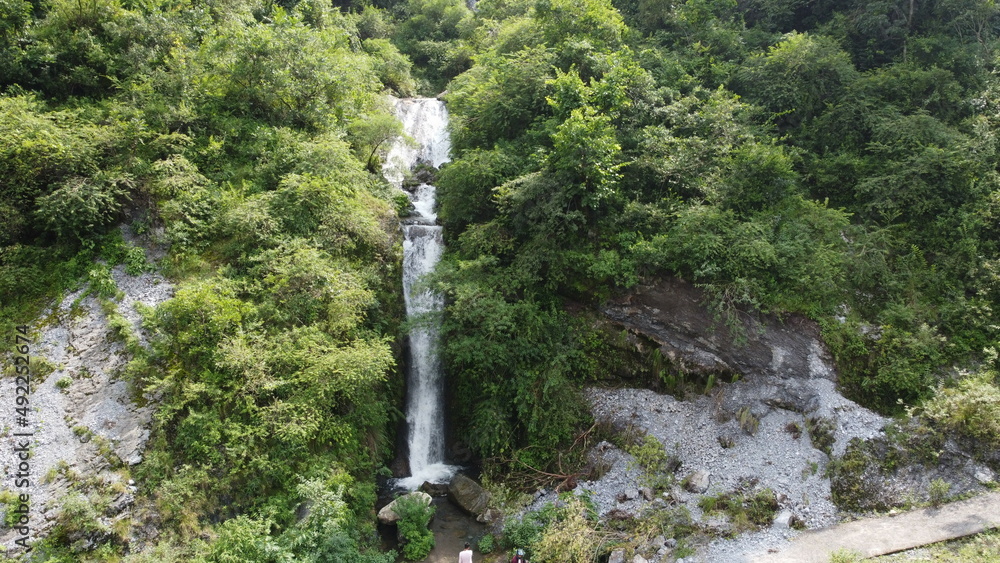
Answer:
x=672 y=315
x=468 y=495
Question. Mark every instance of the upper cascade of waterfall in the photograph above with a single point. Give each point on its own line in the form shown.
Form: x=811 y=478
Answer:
x=425 y=120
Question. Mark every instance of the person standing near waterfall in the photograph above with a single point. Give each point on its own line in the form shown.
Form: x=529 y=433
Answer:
x=466 y=555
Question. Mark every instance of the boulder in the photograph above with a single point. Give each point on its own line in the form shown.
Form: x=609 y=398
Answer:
x=698 y=481
x=783 y=520
x=468 y=495
x=617 y=556
x=388 y=516
x=435 y=489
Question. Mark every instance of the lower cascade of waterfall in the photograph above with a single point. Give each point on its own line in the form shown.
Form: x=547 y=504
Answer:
x=425 y=120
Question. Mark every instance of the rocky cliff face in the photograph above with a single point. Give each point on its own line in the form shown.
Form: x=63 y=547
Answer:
x=672 y=315
x=779 y=427
x=87 y=428
x=775 y=428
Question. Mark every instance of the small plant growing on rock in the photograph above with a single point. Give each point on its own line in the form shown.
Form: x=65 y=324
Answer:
x=658 y=466
x=745 y=511
x=748 y=422
x=821 y=433
x=41 y=367
x=938 y=492
x=64 y=382
x=9 y=499
x=101 y=282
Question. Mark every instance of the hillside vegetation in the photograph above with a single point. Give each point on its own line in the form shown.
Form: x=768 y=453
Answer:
x=832 y=159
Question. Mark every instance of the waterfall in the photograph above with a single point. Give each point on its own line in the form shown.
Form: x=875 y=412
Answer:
x=425 y=120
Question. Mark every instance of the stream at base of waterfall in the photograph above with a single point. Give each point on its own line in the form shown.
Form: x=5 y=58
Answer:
x=425 y=120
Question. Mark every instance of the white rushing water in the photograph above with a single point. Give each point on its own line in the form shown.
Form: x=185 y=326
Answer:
x=426 y=121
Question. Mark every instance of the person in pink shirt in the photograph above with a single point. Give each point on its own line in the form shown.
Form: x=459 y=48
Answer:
x=466 y=555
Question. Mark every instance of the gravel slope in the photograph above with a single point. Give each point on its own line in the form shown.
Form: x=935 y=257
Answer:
x=94 y=405
x=771 y=455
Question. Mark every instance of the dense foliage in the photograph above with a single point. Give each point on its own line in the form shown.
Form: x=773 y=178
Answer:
x=241 y=138
x=836 y=160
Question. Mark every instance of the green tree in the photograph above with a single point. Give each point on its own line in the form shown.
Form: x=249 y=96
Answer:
x=796 y=78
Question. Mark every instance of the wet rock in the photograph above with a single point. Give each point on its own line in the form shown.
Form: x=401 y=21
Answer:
x=434 y=489
x=468 y=495
x=425 y=173
x=388 y=516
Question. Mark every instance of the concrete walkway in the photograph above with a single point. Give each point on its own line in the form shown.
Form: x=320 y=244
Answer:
x=889 y=534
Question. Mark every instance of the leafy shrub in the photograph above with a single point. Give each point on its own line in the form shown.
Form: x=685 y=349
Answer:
x=938 y=492
x=745 y=511
x=971 y=408
x=414 y=517
x=135 y=261
x=101 y=282
x=38 y=149
x=570 y=539
x=521 y=533
x=82 y=205
x=657 y=466
x=487 y=543
x=243 y=539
